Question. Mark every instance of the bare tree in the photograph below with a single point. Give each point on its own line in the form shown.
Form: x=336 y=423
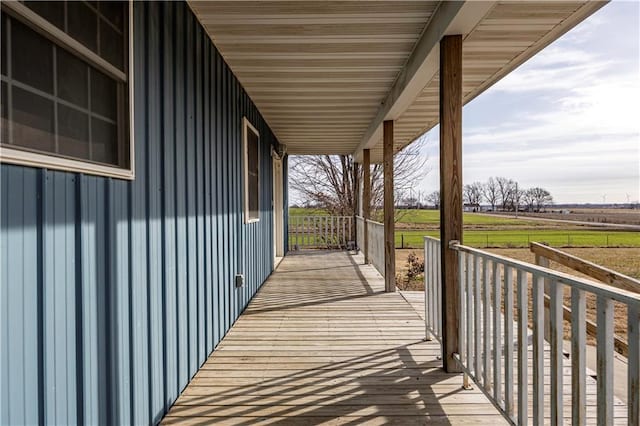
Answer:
x=506 y=192
x=327 y=181
x=490 y=192
x=409 y=169
x=472 y=194
x=542 y=198
x=517 y=198
x=324 y=181
x=434 y=199
x=529 y=199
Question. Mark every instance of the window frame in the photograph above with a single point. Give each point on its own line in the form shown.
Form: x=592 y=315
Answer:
x=247 y=127
x=54 y=34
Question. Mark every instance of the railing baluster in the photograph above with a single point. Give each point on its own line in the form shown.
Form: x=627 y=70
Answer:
x=297 y=230
x=332 y=230
x=538 y=350
x=427 y=289
x=434 y=290
x=476 y=310
x=578 y=366
x=345 y=238
x=633 y=384
x=439 y=290
x=556 y=295
x=469 y=311
x=497 y=333
x=462 y=259
x=327 y=233
x=486 y=332
x=523 y=384
x=604 y=361
x=508 y=340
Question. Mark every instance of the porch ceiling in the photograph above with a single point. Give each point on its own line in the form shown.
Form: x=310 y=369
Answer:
x=325 y=74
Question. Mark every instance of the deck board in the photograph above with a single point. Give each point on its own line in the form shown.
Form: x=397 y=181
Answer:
x=321 y=343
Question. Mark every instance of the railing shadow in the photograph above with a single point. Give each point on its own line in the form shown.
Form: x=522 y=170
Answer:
x=386 y=378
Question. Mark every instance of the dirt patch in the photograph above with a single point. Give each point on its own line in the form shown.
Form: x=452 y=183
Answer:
x=620 y=216
x=623 y=260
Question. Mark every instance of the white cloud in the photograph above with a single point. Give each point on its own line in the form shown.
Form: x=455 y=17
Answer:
x=576 y=130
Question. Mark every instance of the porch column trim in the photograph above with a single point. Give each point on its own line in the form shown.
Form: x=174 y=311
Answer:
x=366 y=200
x=389 y=225
x=450 y=191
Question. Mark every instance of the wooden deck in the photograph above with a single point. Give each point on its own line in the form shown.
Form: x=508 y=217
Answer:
x=322 y=344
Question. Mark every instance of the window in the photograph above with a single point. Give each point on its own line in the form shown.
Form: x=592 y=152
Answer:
x=251 y=139
x=66 y=88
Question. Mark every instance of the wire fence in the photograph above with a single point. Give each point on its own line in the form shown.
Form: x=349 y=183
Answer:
x=518 y=240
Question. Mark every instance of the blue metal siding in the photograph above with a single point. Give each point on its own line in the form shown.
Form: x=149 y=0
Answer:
x=112 y=292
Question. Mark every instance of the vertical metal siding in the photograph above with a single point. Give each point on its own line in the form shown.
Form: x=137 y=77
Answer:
x=112 y=292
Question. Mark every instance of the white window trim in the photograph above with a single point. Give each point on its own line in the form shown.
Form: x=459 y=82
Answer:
x=246 y=125
x=50 y=161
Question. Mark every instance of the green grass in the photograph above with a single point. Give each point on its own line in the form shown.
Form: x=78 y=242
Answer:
x=428 y=217
x=511 y=238
x=301 y=211
x=508 y=233
x=433 y=217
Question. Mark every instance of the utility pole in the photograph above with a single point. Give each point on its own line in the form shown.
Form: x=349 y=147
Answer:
x=517 y=197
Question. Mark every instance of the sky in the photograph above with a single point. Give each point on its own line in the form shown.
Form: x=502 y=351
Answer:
x=567 y=120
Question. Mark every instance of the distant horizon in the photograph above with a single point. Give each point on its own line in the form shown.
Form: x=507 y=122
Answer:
x=566 y=120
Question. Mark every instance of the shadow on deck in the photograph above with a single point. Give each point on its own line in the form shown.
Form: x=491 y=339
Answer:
x=321 y=343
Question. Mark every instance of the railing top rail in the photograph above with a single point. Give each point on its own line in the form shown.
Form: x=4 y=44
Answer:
x=374 y=222
x=431 y=238
x=601 y=289
x=322 y=216
x=591 y=269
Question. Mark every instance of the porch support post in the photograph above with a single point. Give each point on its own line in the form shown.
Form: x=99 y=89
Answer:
x=355 y=193
x=366 y=200
x=389 y=225
x=450 y=191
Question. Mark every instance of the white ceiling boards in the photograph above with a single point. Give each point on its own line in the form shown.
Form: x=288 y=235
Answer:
x=326 y=74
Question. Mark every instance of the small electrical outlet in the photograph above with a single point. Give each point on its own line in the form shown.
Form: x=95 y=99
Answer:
x=239 y=280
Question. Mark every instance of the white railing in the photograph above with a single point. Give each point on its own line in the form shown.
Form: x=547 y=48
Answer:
x=320 y=232
x=376 y=245
x=432 y=286
x=360 y=232
x=375 y=236
x=494 y=305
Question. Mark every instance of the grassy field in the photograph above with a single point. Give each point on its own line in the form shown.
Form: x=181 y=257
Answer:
x=432 y=217
x=515 y=238
x=506 y=232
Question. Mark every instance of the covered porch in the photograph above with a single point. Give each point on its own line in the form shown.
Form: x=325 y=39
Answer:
x=322 y=342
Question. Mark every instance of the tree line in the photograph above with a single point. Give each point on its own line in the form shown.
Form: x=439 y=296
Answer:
x=500 y=193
